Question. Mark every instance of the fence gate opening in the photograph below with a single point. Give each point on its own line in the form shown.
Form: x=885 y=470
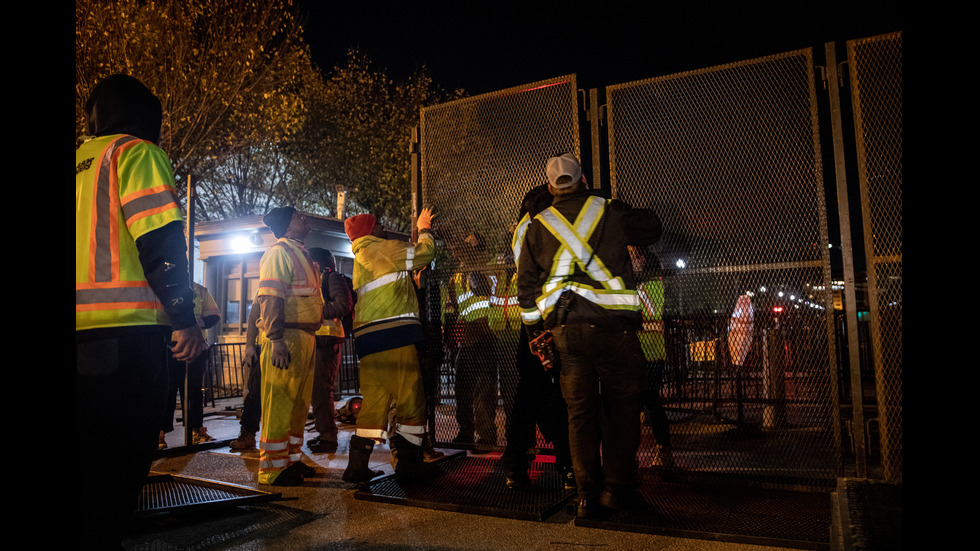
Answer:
x=743 y=426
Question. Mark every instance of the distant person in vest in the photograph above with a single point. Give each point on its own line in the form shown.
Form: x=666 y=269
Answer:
x=575 y=279
x=131 y=291
x=207 y=315
x=469 y=292
x=650 y=287
x=386 y=329
x=337 y=304
x=291 y=312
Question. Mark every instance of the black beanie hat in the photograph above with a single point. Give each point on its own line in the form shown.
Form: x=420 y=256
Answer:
x=278 y=220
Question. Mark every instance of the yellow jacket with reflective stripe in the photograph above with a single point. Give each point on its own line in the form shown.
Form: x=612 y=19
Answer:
x=386 y=315
x=286 y=272
x=383 y=277
x=123 y=190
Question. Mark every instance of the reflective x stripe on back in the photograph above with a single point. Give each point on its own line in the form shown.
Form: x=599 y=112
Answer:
x=574 y=251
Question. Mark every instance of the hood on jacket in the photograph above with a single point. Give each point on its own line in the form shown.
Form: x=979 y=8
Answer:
x=120 y=104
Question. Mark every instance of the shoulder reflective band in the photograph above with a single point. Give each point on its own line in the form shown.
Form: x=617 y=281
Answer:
x=383 y=280
x=147 y=202
x=518 y=238
x=575 y=249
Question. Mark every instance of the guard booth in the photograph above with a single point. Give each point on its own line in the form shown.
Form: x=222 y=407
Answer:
x=762 y=383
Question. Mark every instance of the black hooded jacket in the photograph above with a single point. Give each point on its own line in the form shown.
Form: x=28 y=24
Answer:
x=120 y=104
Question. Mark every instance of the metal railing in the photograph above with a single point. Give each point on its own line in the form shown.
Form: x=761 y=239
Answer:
x=225 y=376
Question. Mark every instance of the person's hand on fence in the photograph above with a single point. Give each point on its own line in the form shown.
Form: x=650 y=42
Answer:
x=425 y=219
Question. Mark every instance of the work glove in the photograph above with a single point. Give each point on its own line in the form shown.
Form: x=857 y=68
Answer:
x=280 y=354
x=251 y=357
x=543 y=346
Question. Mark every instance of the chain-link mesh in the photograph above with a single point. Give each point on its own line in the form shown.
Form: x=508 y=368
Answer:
x=479 y=156
x=876 y=91
x=730 y=159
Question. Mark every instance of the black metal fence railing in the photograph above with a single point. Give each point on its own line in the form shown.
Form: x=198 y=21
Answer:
x=226 y=377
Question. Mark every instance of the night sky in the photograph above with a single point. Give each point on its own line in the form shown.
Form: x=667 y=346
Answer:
x=489 y=46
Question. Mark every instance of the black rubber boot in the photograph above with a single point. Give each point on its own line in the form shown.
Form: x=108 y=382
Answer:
x=408 y=459
x=357 y=471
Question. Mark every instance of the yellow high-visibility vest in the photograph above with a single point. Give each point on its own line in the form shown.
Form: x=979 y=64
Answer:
x=286 y=272
x=123 y=190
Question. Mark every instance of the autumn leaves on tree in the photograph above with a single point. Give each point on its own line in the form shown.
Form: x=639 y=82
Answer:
x=248 y=115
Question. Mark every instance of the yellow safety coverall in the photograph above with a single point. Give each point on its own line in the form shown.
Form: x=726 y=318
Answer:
x=291 y=310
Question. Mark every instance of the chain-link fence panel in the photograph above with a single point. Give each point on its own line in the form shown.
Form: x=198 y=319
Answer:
x=479 y=156
x=875 y=66
x=730 y=158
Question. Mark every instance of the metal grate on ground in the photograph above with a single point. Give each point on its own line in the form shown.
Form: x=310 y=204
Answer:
x=476 y=484
x=726 y=512
x=167 y=493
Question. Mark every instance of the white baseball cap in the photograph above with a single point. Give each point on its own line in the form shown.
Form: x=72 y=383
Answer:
x=566 y=165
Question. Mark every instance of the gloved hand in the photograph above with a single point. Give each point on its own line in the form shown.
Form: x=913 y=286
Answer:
x=251 y=357
x=424 y=221
x=280 y=354
x=543 y=346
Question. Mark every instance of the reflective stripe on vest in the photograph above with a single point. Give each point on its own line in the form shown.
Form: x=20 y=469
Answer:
x=306 y=280
x=471 y=307
x=518 y=239
x=574 y=251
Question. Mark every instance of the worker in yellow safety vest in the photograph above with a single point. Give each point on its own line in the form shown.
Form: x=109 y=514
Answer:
x=471 y=292
x=650 y=289
x=291 y=311
x=131 y=291
x=386 y=329
x=505 y=324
